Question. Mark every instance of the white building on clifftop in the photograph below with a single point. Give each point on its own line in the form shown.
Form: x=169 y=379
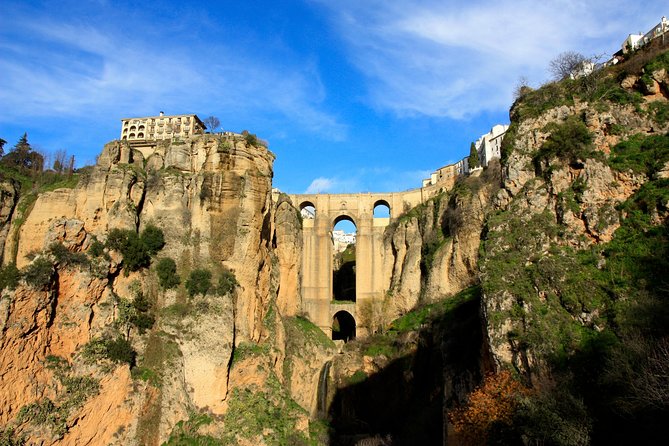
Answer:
x=153 y=128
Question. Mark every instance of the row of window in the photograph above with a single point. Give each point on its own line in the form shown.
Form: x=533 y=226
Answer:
x=186 y=120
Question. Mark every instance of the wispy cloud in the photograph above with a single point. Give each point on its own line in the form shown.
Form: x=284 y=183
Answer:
x=457 y=59
x=76 y=69
x=378 y=179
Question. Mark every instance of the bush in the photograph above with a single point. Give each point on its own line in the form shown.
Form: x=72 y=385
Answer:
x=199 y=282
x=167 y=273
x=65 y=257
x=39 y=273
x=136 y=250
x=492 y=404
x=10 y=438
x=97 y=248
x=9 y=277
x=227 y=282
x=117 y=350
x=570 y=141
x=641 y=154
x=153 y=239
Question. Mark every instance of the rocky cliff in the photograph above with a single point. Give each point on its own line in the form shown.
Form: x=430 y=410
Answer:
x=210 y=196
x=158 y=299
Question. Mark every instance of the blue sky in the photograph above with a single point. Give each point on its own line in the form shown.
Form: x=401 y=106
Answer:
x=353 y=96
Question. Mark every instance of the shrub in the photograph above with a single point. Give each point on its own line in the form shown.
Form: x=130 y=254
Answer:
x=117 y=350
x=167 y=273
x=9 y=277
x=97 y=248
x=65 y=257
x=199 y=282
x=10 y=438
x=570 y=141
x=490 y=405
x=136 y=250
x=153 y=239
x=39 y=273
x=641 y=154
x=120 y=350
x=227 y=282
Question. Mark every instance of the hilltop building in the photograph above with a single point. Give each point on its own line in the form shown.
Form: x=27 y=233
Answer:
x=488 y=146
x=153 y=128
x=636 y=41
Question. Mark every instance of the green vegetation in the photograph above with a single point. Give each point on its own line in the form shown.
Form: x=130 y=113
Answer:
x=596 y=318
x=570 y=141
x=9 y=277
x=8 y=437
x=307 y=331
x=473 y=157
x=53 y=415
x=227 y=282
x=136 y=249
x=65 y=257
x=118 y=350
x=248 y=349
x=185 y=433
x=641 y=154
x=39 y=273
x=267 y=412
x=198 y=282
x=166 y=269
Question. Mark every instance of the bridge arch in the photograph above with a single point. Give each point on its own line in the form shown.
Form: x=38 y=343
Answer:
x=381 y=209
x=343 y=217
x=344 y=257
x=343 y=326
x=308 y=210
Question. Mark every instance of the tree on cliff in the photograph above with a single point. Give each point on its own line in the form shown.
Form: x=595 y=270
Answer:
x=2 y=146
x=474 y=161
x=23 y=158
x=567 y=64
x=212 y=123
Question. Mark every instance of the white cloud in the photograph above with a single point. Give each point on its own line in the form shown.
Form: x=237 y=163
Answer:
x=374 y=179
x=69 y=68
x=457 y=59
x=321 y=185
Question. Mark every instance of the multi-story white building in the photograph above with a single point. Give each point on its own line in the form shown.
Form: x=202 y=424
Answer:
x=153 y=128
x=489 y=146
x=636 y=41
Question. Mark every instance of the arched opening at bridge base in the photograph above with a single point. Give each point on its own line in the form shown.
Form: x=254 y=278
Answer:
x=343 y=262
x=343 y=326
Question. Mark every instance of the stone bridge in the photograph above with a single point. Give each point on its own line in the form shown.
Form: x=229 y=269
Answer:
x=371 y=278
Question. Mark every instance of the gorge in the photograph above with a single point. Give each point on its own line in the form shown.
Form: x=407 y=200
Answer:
x=541 y=277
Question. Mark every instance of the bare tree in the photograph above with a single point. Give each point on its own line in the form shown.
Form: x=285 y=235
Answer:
x=566 y=64
x=59 y=160
x=522 y=87
x=70 y=166
x=212 y=123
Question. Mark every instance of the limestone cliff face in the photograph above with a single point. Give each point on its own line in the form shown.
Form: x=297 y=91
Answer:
x=211 y=197
x=548 y=202
x=288 y=250
x=435 y=246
